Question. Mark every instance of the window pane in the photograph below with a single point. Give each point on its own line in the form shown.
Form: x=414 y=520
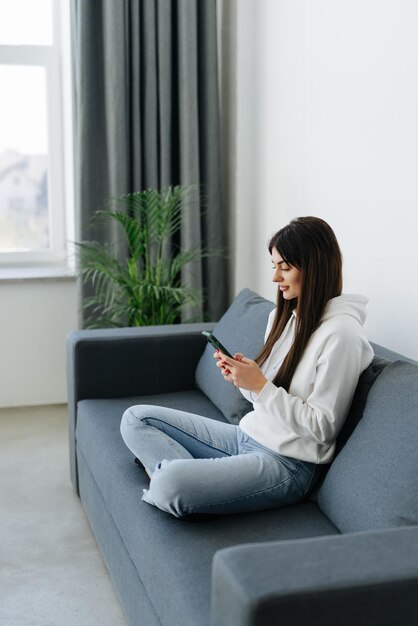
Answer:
x=25 y=22
x=24 y=218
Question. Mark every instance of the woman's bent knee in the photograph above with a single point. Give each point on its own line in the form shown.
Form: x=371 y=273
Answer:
x=167 y=488
x=133 y=421
x=135 y=416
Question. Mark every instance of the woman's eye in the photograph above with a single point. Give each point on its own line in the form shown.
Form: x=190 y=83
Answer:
x=283 y=269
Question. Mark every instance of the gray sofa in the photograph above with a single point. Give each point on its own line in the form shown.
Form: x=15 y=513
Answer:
x=348 y=555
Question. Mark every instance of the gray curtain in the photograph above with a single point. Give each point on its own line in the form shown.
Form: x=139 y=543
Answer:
x=146 y=116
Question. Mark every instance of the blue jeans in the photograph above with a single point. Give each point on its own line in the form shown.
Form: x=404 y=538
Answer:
x=199 y=466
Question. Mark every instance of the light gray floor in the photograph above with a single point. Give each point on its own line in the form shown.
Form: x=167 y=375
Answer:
x=51 y=571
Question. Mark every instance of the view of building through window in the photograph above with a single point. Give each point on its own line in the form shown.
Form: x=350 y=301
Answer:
x=24 y=209
x=24 y=222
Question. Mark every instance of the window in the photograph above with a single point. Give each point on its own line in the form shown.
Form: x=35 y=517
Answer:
x=32 y=154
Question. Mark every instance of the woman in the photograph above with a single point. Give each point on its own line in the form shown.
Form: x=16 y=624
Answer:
x=301 y=386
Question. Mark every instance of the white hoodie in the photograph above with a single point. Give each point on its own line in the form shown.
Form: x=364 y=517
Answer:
x=304 y=422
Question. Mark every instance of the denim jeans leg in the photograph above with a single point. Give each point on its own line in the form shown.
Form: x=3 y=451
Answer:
x=155 y=433
x=199 y=465
x=254 y=479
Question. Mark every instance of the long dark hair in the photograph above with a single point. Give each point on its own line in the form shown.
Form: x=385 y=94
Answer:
x=310 y=245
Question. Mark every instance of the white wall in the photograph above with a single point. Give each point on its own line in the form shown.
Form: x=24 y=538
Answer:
x=35 y=317
x=242 y=73
x=338 y=108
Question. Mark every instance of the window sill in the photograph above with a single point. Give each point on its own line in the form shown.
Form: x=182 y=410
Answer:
x=18 y=274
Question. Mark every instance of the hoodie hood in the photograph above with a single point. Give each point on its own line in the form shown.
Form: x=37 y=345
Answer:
x=347 y=304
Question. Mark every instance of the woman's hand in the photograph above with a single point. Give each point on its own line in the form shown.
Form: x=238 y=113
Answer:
x=240 y=371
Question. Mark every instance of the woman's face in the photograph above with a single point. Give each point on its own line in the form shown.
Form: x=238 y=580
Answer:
x=287 y=276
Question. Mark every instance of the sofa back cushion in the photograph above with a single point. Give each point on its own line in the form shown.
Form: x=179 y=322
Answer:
x=240 y=329
x=365 y=383
x=373 y=482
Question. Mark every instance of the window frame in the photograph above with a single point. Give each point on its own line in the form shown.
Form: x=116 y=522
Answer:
x=52 y=59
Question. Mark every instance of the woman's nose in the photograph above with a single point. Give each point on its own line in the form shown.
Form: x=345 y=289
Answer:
x=276 y=276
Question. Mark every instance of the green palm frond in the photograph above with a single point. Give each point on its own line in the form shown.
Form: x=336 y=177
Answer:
x=146 y=286
x=132 y=229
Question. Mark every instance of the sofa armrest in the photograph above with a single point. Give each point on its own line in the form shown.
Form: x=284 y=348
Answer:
x=123 y=362
x=368 y=578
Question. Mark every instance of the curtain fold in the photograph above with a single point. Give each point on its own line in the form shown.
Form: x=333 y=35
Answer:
x=146 y=116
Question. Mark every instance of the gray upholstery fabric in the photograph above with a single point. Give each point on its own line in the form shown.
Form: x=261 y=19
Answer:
x=172 y=557
x=161 y=566
x=112 y=410
x=389 y=355
x=125 y=362
x=135 y=601
x=358 y=579
x=365 y=383
x=366 y=380
x=374 y=480
x=241 y=329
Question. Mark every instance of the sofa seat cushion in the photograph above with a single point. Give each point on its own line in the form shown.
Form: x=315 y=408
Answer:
x=373 y=482
x=240 y=329
x=173 y=557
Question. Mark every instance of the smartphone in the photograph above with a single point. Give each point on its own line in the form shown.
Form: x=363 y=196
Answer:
x=216 y=343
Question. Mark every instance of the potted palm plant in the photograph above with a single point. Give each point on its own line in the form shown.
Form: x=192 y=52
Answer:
x=143 y=285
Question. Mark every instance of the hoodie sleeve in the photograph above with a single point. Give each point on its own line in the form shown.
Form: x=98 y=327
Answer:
x=319 y=418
